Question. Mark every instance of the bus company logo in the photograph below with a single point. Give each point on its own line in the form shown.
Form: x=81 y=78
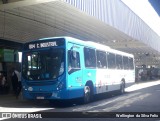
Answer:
x=6 y=115
x=20 y=115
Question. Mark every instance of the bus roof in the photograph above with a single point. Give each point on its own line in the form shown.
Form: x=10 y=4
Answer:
x=97 y=46
x=89 y=44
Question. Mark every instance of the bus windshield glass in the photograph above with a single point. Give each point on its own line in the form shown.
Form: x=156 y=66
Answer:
x=43 y=64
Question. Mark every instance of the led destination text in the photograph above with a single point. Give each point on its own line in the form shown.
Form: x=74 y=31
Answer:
x=42 y=45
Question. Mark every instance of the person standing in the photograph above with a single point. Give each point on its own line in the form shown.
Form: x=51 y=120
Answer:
x=2 y=83
x=16 y=82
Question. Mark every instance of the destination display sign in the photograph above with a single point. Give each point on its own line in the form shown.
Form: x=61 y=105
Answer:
x=44 y=44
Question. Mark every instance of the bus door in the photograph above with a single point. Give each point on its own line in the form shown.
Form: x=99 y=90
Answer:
x=75 y=79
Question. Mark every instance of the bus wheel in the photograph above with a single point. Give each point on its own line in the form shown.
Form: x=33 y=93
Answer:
x=87 y=94
x=122 y=89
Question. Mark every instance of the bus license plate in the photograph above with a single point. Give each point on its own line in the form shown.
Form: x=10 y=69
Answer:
x=40 y=98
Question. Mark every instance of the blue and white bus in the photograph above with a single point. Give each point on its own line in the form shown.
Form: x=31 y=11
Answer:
x=68 y=68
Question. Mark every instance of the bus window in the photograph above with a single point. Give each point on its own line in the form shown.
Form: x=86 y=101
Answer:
x=131 y=66
x=119 y=62
x=73 y=60
x=125 y=63
x=111 y=61
x=90 y=58
x=101 y=59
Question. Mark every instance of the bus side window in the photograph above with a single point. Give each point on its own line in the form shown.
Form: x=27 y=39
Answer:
x=119 y=64
x=111 y=61
x=90 y=58
x=101 y=59
x=125 y=63
x=131 y=66
x=73 y=60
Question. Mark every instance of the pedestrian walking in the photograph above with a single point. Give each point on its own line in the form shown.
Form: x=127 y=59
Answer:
x=16 y=82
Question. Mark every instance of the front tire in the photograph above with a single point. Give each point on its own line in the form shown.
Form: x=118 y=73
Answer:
x=87 y=94
x=122 y=88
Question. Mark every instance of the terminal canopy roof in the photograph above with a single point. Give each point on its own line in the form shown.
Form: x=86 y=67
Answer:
x=108 y=22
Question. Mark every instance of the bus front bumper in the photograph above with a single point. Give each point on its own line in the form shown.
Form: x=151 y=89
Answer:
x=60 y=94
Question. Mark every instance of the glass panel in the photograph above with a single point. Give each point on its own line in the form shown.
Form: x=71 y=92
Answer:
x=125 y=63
x=101 y=59
x=119 y=62
x=73 y=62
x=131 y=66
x=111 y=61
x=44 y=64
x=90 y=58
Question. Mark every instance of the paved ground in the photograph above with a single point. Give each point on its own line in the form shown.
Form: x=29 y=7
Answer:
x=142 y=99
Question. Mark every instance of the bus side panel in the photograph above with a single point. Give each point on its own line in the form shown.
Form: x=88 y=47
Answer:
x=102 y=81
x=130 y=77
x=108 y=80
x=89 y=75
x=75 y=79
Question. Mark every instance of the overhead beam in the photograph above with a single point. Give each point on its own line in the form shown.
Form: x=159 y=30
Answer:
x=10 y=44
x=126 y=44
x=4 y=1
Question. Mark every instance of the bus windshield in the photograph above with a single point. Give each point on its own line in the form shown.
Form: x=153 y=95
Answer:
x=43 y=64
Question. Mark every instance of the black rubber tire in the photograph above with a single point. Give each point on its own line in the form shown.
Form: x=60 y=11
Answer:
x=87 y=95
x=122 y=89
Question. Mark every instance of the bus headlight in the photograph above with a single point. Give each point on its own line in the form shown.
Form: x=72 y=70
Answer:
x=60 y=85
x=30 y=89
